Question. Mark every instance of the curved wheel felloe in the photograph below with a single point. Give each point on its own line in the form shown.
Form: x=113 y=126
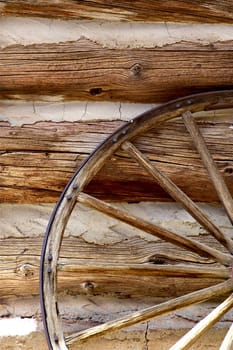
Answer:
x=186 y=109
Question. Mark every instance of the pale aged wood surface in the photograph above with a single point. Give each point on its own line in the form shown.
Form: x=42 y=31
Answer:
x=86 y=71
x=37 y=160
x=173 y=10
x=98 y=268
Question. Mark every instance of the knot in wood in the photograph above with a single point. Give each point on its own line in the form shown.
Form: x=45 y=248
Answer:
x=157 y=260
x=89 y=286
x=96 y=91
x=136 y=69
x=26 y=270
x=228 y=170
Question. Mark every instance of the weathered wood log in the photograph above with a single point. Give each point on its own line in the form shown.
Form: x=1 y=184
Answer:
x=37 y=160
x=173 y=10
x=86 y=71
x=89 y=268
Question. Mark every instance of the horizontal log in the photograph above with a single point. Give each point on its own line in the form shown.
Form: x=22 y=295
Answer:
x=89 y=268
x=36 y=161
x=86 y=71
x=173 y=10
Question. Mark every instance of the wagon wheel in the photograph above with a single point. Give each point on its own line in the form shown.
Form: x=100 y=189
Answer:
x=124 y=140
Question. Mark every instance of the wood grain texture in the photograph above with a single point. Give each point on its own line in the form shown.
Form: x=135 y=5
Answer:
x=88 y=268
x=86 y=71
x=173 y=10
x=36 y=161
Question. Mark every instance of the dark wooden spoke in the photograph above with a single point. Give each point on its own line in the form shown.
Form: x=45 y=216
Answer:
x=178 y=195
x=154 y=311
x=154 y=230
x=204 y=325
x=216 y=178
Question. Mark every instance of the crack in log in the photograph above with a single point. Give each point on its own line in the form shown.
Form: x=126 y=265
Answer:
x=146 y=337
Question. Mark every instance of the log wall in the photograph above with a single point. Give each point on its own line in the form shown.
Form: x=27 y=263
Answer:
x=71 y=73
x=85 y=71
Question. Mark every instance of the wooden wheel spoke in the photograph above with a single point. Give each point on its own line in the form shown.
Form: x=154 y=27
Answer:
x=153 y=229
x=178 y=195
x=154 y=311
x=227 y=343
x=215 y=176
x=201 y=327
